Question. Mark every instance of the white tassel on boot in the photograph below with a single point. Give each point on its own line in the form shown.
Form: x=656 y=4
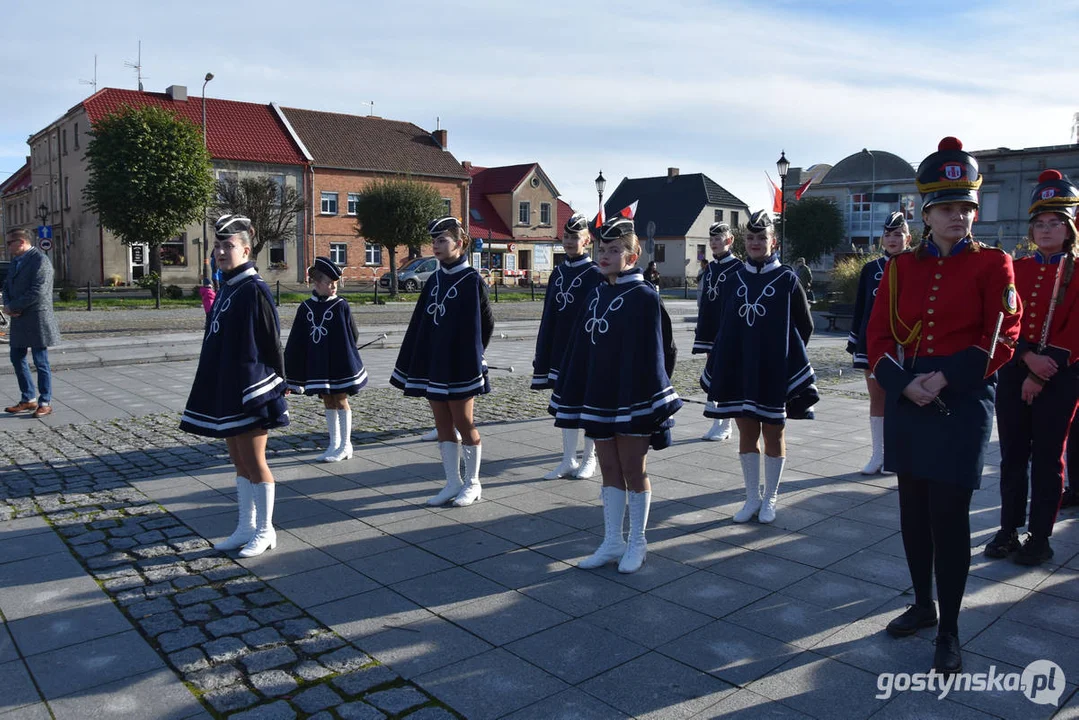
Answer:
x=245 y=526
x=568 y=466
x=335 y=440
x=613 y=546
x=773 y=471
x=471 y=490
x=876 y=463
x=751 y=475
x=636 y=545
x=588 y=460
x=265 y=538
x=451 y=465
x=721 y=428
x=344 y=437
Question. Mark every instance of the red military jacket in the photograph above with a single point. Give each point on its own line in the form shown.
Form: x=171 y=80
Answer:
x=1035 y=278
x=944 y=308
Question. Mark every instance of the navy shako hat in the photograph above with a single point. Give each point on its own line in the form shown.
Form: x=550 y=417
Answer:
x=895 y=220
x=615 y=228
x=577 y=222
x=1054 y=193
x=948 y=175
x=440 y=225
x=228 y=225
x=719 y=229
x=327 y=267
x=758 y=221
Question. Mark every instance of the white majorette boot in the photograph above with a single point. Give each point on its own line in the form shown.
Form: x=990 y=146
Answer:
x=432 y=435
x=245 y=526
x=875 y=466
x=613 y=546
x=451 y=465
x=568 y=466
x=773 y=470
x=344 y=437
x=636 y=545
x=721 y=427
x=471 y=490
x=751 y=475
x=335 y=441
x=265 y=538
x=587 y=468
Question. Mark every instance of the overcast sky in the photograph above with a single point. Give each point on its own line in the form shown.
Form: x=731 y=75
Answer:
x=704 y=85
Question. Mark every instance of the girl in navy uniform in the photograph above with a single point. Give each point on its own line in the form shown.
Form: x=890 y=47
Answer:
x=321 y=356
x=1039 y=388
x=758 y=371
x=710 y=295
x=567 y=290
x=895 y=240
x=239 y=389
x=945 y=318
x=441 y=357
x=615 y=384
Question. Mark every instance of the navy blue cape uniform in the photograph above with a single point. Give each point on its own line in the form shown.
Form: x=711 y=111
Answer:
x=868 y=284
x=710 y=305
x=239 y=384
x=615 y=376
x=567 y=291
x=321 y=356
x=441 y=357
x=759 y=366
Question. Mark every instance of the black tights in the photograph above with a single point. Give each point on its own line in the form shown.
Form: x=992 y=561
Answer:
x=935 y=520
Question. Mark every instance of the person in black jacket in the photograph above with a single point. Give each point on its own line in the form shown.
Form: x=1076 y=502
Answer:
x=441 y=357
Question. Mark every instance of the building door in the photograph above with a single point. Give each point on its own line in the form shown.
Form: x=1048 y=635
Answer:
x=140 y=259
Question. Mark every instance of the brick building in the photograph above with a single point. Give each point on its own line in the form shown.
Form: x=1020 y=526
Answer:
x=16 y=203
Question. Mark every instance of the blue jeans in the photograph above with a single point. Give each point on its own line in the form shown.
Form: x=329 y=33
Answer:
x=22 y=372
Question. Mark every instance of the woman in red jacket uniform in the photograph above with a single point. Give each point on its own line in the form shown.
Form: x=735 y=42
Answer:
x=945 y=319
x=1039 y=388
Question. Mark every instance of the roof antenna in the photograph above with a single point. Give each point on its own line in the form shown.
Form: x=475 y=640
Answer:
x=371 y=108
x=94 y=81
x=438 y=123
x=137 y=66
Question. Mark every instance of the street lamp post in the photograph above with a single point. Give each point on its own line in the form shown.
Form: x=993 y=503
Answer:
x=601 y=183
x=205 y=247
x=872 y=195
x=782 y=166
x=43 y=212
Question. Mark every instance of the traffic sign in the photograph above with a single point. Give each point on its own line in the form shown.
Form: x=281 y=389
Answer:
x=513 y=247
x=45 y=244
x=44 y=231
x=650 y=246
x=479 y=245
x=650 y=231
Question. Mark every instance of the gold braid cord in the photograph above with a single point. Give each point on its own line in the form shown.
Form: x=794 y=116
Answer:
x=914 y=333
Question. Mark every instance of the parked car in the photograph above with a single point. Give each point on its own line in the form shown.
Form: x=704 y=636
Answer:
x=412 y=276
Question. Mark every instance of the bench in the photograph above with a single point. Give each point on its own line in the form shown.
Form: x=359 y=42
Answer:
x=839 y=311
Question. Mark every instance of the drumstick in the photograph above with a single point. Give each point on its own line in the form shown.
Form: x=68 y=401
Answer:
x=380 y=337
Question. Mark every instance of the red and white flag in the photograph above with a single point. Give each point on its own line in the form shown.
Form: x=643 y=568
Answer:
x=777 y=194
x=629 y=211
x=802 y=189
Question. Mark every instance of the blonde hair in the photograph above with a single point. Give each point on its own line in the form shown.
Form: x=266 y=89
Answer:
x=628 y=242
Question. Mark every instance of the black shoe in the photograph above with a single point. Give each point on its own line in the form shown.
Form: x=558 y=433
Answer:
x=1003 y=544
x=1070 y=498
x=915 y=618
x=946 y=658
x=1035 y=551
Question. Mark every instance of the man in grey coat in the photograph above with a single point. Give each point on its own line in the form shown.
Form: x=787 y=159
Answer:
x=28 y=302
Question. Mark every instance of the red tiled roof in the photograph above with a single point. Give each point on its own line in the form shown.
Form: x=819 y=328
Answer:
x=489 y=181
x=19 y=180
x=564 y=212
x=241 y=131
x=491 y=220
x=492 y=181
x=357 y=142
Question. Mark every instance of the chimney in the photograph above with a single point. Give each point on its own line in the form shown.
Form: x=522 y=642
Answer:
x=672 y=173
x=440 y=138
x=177 y=92
x=467 y=165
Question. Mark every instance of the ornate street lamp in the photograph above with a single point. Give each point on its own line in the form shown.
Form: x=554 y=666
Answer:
x=43 y=212
x=782 y=166
x=601 y=183
x=205 y=248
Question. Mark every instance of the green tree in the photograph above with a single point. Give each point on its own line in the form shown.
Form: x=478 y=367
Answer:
x=394 y=213
x=271 y=206
x=814 y=227
x=150 y=176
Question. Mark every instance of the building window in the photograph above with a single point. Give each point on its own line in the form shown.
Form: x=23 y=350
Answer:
x=661 y=253
x=718 y=216
x=447 y=206
x=734 y=218
x=702 y=253
x=372 y=254
x=76 y=136
x=339 y=251
x=64 y=136
x=524 y=213
x=907 y=203
x=860 y=219
x=545 y=213
x=277 y=255
x=174 y=251
x=67 y=193
x=988 y=209
x=329 y=203
x=353 y=201
x=226 y=177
